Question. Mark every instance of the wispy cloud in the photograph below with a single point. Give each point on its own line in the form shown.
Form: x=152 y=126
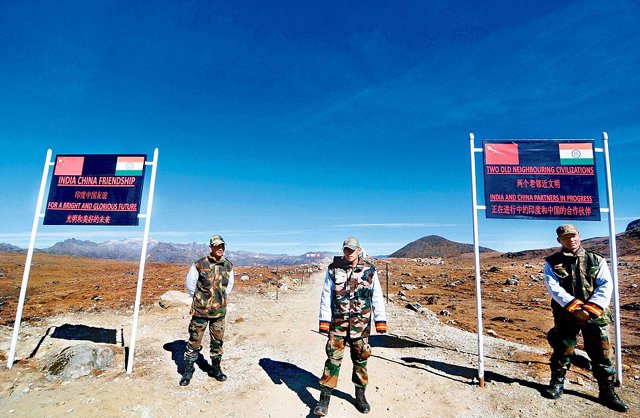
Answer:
x=395 y=225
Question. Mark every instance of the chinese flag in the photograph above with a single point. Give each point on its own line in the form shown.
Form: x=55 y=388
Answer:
x=501 y=154
x=68 y=166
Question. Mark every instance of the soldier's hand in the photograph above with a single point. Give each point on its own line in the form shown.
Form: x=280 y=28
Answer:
x=581 y=316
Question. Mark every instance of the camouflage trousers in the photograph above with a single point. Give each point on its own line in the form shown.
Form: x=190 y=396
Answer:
x=563 y=339
x=197 y=327
x=360 y=352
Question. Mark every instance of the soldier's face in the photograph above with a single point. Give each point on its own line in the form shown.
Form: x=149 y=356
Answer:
x=217 y=251
x=570 y=242
x=351 y=255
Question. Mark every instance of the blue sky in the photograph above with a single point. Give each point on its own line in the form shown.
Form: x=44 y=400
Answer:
x=287 y=126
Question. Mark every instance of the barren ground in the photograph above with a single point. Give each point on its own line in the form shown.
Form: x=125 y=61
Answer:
x=273 y=354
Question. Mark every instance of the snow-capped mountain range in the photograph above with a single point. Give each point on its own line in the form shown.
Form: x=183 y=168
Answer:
x=129 y=249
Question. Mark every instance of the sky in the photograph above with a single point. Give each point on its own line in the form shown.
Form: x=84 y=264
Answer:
x=288 y=126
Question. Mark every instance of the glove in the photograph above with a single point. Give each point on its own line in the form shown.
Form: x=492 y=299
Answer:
x=323 y=328
x=381 y=327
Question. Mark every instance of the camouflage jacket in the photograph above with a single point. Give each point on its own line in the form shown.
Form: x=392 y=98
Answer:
x=578 y=281
x=348 y=298
x=209 y=282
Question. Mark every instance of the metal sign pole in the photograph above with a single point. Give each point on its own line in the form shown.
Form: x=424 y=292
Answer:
x=27 y=264
x=143 y=256
x=614 y=261
x=387 y=266
x=476 y=258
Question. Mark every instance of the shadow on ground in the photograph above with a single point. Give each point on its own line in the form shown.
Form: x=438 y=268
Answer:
x=77 y=333
x=395 y=341
x=404 y=341
x=177 y=349
x=84 y=332
x=468 y=374
x=298 y=380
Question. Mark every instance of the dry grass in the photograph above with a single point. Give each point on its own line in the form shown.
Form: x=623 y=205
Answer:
x=519 y=313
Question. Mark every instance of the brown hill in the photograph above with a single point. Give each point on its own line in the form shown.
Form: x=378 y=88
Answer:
x=435 y=246
x=627 y=244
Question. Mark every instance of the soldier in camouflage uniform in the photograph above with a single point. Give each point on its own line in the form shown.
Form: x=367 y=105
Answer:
x=209 y=281
x=351 y=291
x=580 y=286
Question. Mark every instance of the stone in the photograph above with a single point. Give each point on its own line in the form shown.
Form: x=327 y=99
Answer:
x=79 y=360
x=492 y=333
x=432 y=299
x=455 y=283
x=634 y=306
x=512 y=281
x=174 y=298
x=415 y=306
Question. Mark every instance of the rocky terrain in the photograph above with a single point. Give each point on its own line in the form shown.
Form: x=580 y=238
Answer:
x=425 y=367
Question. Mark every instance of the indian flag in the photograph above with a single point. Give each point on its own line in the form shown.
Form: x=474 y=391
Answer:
x=129 y=166
x=576 y=153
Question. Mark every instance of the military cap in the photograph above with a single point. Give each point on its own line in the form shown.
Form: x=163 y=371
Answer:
x=216 y=240
x=566 y=229
x=351 y=243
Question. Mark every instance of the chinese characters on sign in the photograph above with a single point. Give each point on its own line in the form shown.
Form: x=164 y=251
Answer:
x=541 y=179
x=95 y=189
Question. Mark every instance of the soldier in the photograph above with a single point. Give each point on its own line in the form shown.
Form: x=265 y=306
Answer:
x=580 y=285
x=351 y=289
x=209 y=281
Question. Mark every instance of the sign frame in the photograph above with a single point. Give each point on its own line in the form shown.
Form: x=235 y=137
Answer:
x=475 y=206
x=34 y=229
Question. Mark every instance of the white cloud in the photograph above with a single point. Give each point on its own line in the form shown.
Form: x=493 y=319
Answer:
x=396 y=225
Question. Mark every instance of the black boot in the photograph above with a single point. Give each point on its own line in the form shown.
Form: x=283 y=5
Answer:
x=323 y=404
x=556 y=385
x=216 y=371
x=187 y=374
x=609 y=398
x=361 y=402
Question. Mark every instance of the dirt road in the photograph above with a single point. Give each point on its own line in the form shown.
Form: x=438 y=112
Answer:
x=274 y=356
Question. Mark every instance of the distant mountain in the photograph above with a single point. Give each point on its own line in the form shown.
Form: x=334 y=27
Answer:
x=8 y=248
x=435 y=246
x=633 y=225
x=129 y=249
x=166 y=252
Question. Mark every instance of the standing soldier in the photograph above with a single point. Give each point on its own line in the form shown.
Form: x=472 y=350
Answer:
x=209 y=281
x=351 y=289
x=580 y=285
